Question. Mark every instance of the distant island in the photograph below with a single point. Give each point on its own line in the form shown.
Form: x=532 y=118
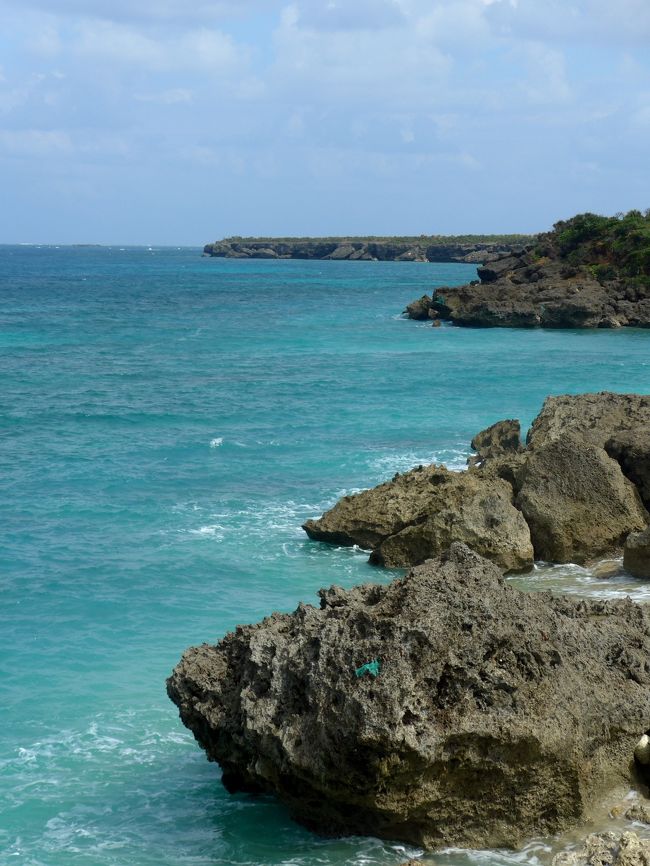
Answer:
x=472 y=249
x=590 y=271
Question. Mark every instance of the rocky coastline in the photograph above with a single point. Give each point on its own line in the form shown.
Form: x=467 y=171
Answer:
x=472 y=250
x=449 y=708
x=589 y=272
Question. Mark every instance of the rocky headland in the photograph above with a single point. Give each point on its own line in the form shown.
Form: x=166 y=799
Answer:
x=474 y=249
x=588 y=272
x=577 y=490
x=447 y=708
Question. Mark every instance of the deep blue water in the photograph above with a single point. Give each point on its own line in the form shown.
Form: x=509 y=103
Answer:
x=166 y=423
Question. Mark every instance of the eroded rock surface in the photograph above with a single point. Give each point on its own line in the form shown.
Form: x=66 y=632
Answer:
x=419 y=514
x=576 y=491
x=528 y=291
x=608 y=849
x=576 y=501
x=494 y=715
x=596 y=418
x=498 y=439
x=631 y=449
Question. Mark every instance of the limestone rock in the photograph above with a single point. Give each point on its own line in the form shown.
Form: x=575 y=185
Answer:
x=597 y=418
x=494 y=715
x=639 y=812
x=420 y=513
x=608 y=849
x=636 y=553
x=631 y=449
x=576 y=501
x=501 y=438
x=419 y=309
x=517 y=291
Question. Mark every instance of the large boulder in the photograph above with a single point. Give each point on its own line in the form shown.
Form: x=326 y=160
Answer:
x=576 y=501
x=447 y=708
x=636 y=553
x=420 y=513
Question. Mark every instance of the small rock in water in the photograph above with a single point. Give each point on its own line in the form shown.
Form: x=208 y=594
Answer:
x=607 y=569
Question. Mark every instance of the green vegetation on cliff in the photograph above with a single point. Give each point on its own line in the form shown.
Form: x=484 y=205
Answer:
x=611 y=247
x=409 y=240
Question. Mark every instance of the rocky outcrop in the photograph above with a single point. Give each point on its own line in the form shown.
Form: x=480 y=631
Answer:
x=589 y=272
x=529 y=296
x=636 y=554
x=417 y=249
x=563 y=493
x=608 y=849
x=498 y=440
x=596 y=418
x=420 y=513
x=446 y=708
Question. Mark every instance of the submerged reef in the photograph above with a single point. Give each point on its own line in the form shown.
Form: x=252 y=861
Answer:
x=588 y=272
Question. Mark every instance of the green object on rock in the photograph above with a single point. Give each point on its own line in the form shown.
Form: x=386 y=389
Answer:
x=371 y=668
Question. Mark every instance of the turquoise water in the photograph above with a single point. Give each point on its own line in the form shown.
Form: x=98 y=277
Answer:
x=167 y=422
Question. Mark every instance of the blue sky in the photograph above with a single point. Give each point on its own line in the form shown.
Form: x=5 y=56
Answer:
x=134 y=121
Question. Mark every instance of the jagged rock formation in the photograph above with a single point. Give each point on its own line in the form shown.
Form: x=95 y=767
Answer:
x=498 y=440
x=563 y=492
x=589 y=272
x=415 y=249
x=447 y=708
x=418 y=514
x=608 y=849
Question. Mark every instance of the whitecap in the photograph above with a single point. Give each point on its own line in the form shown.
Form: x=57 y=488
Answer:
x=388 y=464
x=213 y=531
x=216 y=442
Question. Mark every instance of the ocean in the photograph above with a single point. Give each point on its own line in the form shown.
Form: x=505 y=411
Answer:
x=167 y=423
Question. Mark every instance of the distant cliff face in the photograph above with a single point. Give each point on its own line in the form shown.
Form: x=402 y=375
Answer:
x=423 y=249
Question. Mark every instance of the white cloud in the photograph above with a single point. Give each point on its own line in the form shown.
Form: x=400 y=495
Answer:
x=547 y=75
x=387 y=70
x=202 y=49
x=582 y=21
x=35 y=142
x=174 y=96
x=350 y=14
x=140 y=10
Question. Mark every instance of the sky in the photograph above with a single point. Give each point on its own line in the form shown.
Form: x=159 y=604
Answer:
x=159 y=121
